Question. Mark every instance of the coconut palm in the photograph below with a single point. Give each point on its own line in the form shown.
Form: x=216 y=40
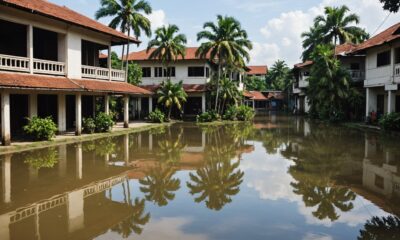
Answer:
x=168 y=44
x=226 y=42
x=170 y=95
x=229 y=94
x=279 y=76
x=311 y=39
x=127 y=15
x=338 y=27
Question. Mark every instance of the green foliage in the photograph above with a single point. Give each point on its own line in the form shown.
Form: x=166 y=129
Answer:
x=255 y=84
x=41 y=128
x=44 y=158
x=381 y=228
x=231 y=113
x=170 y=95
x=390 y=121
x=103 y=122
x=209 y=116
x=391 y=5
x=88 y=125
x=229 y=93
x=245 y=113
x=279 y=77
x=157 y=116
x=134 y=74
x=116 y=63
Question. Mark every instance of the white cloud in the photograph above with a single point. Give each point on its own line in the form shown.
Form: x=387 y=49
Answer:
x=283 y=32
x=158 y=19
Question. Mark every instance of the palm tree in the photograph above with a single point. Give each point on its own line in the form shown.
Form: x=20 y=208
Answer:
x=226 y=42
x=229 y=93
x=170 y=95
x=127 y=15
x=279 y=76
x=337 y=25
x=381 y=228
x=169 y=46
x=311 y=39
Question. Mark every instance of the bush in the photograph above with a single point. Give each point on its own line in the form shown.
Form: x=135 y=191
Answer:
x=41 y=128
x=103 y=122
x=209 y=116
x=231 y=113
x=157 y=116
x=245 y=113
x=390 y=121
x=88 y=125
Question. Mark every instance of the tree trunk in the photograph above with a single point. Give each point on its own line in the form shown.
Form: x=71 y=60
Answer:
x=127 y=52
x=169 y=113
x=122 y=57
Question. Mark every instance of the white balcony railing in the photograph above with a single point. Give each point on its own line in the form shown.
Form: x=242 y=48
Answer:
x=14 y=63
x=102 y=73
x=357 y=75
x=48 y=67
x=22 y=64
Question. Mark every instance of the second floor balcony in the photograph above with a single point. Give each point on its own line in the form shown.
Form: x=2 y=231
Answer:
x=357 y=75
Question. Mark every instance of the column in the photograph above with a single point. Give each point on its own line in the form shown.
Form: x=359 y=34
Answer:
x=78 y=114
x=126 y=111
x=126 y=149
x=150 y=142
x=370 y=101
x=140 y=140
x=203 y=103
x=62 y=114
x=150 y=104
x=75 y=210
x=139 y=106
x=5 y=119
x=30 y=48
x=78 y=158
x=109 y=62
x=62 y=160
x=5 y=226
x=6 y=181
x=391 y=101
x=107 y=104
x=32 y=105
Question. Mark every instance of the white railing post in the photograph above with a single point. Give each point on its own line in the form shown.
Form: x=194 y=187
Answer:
x=30 y=48
x=109 y=63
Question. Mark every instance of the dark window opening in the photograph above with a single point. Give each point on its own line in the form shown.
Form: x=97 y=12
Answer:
x=383 y=59
x=397 y=56
x=47 y=106
x=146 y=72
x=45 y=44
x=170 y=72
x=379 y=181
x=397 y=104
x=207 y=72
x=355 y=66
x=196 y=71
x=158 y=72
x=380 y=104
x=13 y=39
x=91 y=52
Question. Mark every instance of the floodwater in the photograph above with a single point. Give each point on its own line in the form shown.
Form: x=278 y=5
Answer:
x=279 y=178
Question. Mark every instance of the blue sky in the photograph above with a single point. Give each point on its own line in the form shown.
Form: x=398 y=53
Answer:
x=274 y=26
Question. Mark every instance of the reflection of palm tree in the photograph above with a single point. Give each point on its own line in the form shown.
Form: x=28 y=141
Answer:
x=159 y=186
x=381 y=228
x=218 y=181
x=170 y=150
x=135 y=222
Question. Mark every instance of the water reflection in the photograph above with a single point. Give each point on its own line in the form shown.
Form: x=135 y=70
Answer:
x=148 y=185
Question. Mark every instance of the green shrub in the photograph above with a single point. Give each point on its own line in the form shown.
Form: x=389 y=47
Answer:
x=88 y=125
x=41 y=128
x=231 y=113
x=157 y=116
x=390 y=121
x=209 y=116
x=103 y=122
x=245 y=113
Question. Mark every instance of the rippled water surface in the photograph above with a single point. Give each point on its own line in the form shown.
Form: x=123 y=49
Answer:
x=279 y=178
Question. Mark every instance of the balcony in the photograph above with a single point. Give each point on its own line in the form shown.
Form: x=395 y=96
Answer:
x=357 y=75
x=397 y=70
x=303 y=82
x=22 y=64
x=103 y=73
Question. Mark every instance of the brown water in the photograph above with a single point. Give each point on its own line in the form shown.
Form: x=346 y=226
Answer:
x=279 y=178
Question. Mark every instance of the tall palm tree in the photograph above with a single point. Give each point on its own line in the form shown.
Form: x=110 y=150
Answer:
x=226 y=42
x=170 y=95
x=229 y=93
x=339 y=27
x=127 y=15
x=169 y=46
x=279 y=76
x=310 y=41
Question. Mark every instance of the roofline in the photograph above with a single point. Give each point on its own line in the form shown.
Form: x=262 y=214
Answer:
x=7 y=4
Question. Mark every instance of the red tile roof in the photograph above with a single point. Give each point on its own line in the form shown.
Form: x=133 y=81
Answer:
x=304 y=64
x=103 y=56
x=257 y=70
x=344 y=49
x=28 y=81
x=189 y=88
x=386 y=36
x=144 y=55
x=48 y=9
x=255 y=95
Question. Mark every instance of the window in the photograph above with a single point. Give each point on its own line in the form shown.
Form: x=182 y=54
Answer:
x=196 y=71
x=383 y=59
x=146 y=72
x=207 y=72
x=158 y=72
x=355 y=66
x=397 y=52
x=170 y=72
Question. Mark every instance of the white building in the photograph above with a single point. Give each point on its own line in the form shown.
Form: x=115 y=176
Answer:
x=195 y=73
x=49 y=66
x=382 y=71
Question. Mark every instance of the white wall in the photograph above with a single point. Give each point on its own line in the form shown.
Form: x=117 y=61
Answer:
x=181 y=72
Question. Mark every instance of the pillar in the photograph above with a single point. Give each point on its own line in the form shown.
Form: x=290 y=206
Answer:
x=126 y=149
x=78 y=114
x=109 y=63
x=62 y=114
x=30 y=48
x=203 y=103
x=371 y=98
x=6 y=181
x=150 y=104
x=5 y=222
x=33 y=105
x=5 y=119
x=78 y=158
x=75 y=210
x=391 y=101
x=150 y=142
x=126 y=111
x=62 y=160
x=107 y=104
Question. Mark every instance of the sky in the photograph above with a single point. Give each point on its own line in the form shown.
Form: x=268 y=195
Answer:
x=274 y=26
